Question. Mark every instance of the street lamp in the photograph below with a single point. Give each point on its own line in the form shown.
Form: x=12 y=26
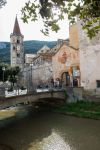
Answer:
x=31 y=81
x=3 y=69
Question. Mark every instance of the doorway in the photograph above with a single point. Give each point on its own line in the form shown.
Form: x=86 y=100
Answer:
x=65 y=78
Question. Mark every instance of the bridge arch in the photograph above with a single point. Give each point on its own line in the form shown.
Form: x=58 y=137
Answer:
x=32 y=98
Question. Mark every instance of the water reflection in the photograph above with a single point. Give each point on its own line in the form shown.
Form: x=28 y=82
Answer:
x=53 y=142
x=50 y=131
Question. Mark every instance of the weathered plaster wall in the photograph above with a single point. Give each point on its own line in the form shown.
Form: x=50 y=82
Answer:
x=59 y=61
x=41 y=71
x=65 y=58
x=73 y=36
x=89 y=59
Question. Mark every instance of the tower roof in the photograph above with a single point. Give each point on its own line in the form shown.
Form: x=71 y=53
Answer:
x=16 y=29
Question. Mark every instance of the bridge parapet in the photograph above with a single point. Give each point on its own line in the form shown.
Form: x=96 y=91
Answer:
x=30 y=98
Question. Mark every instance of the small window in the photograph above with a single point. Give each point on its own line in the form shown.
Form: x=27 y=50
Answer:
x=18 y=41
x=98 y=83
x=18 y=55
x=13 y=47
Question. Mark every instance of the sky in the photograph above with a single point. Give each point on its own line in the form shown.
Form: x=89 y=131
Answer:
x=31 y=31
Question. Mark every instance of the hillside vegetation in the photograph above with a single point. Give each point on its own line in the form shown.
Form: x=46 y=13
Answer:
x=29 y=47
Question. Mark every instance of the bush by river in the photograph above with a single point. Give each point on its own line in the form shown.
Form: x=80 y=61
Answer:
x=81 y=109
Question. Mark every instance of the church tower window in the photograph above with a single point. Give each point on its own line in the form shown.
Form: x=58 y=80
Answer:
x=18 y=41
x=18 y=55
x=14 y=48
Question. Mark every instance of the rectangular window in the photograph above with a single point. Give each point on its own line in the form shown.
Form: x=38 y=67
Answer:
x=18 y=41
x=13 y=47
x=18 y=55
x=98 y=83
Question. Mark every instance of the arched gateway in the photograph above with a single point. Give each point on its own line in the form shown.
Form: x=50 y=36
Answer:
x=65 y=79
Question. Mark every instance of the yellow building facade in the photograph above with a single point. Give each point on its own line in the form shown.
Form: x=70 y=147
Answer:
x=65 y=64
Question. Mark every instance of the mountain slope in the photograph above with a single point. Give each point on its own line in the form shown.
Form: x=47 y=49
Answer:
x=29 y=47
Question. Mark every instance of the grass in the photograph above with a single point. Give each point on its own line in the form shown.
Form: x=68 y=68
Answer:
x=81 y=109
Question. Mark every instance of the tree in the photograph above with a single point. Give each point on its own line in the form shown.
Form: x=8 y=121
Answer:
x=13 y=74
x=52 y=11
x=9 y=73
x=2 y=3
x=3 y=73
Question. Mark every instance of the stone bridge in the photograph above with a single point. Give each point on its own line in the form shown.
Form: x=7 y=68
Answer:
x=33 y=98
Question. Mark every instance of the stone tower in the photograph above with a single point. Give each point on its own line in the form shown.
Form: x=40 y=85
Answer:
x=17 y=49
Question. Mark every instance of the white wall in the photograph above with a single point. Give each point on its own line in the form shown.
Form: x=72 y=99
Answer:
x=89 y=59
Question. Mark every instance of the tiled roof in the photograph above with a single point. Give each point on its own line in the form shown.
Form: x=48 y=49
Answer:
x=55 y=49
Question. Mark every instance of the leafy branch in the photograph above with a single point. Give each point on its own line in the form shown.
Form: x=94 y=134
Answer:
x=51 y=11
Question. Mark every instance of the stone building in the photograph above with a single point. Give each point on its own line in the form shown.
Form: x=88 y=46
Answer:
x=65 y=64
x=42 y=69
x=89 y=59
x=29 y=58
x=17 y=48
x=61 y=63
x=70 y=61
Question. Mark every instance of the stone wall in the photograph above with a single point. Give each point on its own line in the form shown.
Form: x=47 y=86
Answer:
x=59 y=61
x=31 y=98
x=74 y=94
x=2 y=91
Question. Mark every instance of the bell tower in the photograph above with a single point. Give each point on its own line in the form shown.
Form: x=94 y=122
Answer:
x=17 y=48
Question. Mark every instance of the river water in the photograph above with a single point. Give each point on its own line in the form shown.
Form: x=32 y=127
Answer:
x=43 y=130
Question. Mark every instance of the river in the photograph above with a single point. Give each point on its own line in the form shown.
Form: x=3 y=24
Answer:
x=43 y=130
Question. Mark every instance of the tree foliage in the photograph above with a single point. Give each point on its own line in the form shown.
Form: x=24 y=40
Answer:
x=2 y=3
x=3 y=72
x=9 y=73
x=13 y=74
x=52 y=11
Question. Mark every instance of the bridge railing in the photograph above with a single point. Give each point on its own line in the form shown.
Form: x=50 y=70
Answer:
x=48 y=89
x=34 y=90
x=15 y=92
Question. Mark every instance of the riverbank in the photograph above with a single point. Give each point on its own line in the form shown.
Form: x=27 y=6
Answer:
x=81 y=109
x=14 y=111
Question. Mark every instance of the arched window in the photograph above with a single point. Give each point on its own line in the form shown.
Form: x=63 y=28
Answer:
x=18 y=41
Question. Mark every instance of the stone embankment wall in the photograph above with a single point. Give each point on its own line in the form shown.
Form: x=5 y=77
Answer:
x=2 y=91
x=74 y=94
